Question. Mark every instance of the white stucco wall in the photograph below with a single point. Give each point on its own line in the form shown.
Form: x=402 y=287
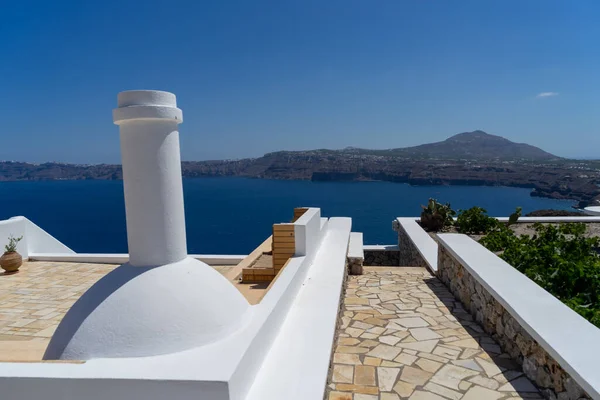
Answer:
x=34 y=239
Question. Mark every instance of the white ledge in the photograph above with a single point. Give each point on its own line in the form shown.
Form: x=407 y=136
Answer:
x=424 y=243
x=108 y=258
x=355 y=247
x=381 y=247
x=564 y=334
x=531 y=220
x=297 y=364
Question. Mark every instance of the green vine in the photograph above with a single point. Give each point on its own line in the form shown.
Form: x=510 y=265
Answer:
x=558 y=258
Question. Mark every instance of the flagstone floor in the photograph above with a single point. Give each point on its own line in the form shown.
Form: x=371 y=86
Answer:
x=404 y=336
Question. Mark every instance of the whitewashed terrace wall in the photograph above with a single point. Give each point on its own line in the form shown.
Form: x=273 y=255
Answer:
x=282 y=349
x=554 y=344
x=416 y=247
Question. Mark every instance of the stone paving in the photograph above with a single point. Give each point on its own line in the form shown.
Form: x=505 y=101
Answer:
x=404 y=336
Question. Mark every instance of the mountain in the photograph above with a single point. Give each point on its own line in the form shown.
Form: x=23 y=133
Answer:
x=470 y=158
x=471 y=145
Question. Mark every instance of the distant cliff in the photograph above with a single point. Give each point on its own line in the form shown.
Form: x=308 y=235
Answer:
x=473 y=158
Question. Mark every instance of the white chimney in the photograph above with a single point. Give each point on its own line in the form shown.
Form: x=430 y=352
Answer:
x=162 y=301
x=148 y=122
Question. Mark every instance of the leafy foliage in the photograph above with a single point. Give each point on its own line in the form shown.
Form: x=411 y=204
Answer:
x=11 y=247
x=437 y=216
x=558 y=258
x=475 y=221
x=514 y=217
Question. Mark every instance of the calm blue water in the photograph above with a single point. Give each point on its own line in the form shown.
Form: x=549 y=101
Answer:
x=234 y=215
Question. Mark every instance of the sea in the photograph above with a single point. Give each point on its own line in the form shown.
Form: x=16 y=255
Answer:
x=234 y=215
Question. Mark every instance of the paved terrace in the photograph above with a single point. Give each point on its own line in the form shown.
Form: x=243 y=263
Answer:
x=404 y=336
x=34 y=301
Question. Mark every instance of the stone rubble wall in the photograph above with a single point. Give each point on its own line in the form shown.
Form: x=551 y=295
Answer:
x=376 y=258
x=408 y=254
x=538 y=365
x=355 y=265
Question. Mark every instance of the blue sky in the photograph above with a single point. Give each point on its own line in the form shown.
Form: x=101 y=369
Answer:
x=259 y=76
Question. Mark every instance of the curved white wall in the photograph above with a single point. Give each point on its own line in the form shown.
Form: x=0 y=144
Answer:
x=141 y=311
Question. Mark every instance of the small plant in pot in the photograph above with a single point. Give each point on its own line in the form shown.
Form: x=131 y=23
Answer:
x=436 y=216
x=11 y=260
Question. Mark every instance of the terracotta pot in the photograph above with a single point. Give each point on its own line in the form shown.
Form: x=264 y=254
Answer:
x=10 y=262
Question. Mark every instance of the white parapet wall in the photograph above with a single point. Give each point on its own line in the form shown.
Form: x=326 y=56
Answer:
x=416 y=247
x=555 y=344
x=35 y=239
x=281 y=349
x=39 y=245
x=106 y=258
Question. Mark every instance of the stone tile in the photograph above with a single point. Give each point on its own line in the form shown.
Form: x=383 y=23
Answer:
x=430 y=312
x=451 y=375
x=354 y=332
x=376 y=330
x=343 y=373
x=469 y=343
x=390 y=340
x=421 y=334
x=485 y=382
x=375 y=362
x=376 y=321
x=388 y=396
x=405 y=359
x=364 y=375
x=344 y=387
x=360 y=396
x=368 y=335
x=442 y=391
x=490 y=369
x=480 y=393
x=491 y=348
x=340 y=396
x=344 y=358
x=361 y=325
x=386 y=378
x=356 y=301
x=470 y=364
x=446 y=352
x=519 y=385
x=369 y=343
x=424 y=346
x=469 y=353
x=348 y=341
x=414 y=375
x=404 y=389
x=384 y=351
x=420 y=395
x=415 y=322
x=428 y=365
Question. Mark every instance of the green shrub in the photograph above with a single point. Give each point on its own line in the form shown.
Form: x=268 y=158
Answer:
x=475 y=221
x=436 y=216
x=558 y=258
